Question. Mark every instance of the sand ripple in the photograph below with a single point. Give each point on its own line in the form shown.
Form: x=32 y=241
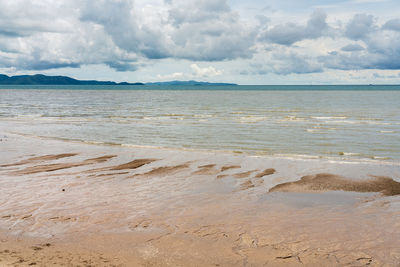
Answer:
x=330 y=182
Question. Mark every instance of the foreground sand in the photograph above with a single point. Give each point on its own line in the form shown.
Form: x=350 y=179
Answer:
x=75 y=204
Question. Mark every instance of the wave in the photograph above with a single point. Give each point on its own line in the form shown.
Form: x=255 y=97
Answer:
x=316 y=131
x=293 y=118
x=360 y=122
x=343 y=157
x=330 y=118
x=252 y=119
x=349 y=154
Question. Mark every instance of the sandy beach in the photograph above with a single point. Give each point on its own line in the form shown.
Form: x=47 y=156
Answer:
x=191 y=133
x=75 y=204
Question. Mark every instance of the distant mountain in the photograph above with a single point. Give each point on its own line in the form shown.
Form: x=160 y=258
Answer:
x=40 y=79
x=188 y=83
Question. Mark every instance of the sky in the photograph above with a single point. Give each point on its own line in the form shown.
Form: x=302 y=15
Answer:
x=244 y=42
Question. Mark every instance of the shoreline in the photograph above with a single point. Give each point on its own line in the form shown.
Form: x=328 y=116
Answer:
x=125 y=206
x=294 y=157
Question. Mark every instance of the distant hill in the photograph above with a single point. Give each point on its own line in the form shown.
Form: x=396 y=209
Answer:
x=189 y=83
x=40 y=79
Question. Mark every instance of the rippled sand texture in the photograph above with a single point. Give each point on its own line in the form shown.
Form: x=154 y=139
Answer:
x=65 y=203
x=328 y=182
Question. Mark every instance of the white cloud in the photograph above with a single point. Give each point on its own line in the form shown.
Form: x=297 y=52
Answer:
x=195 y=72
x=173 y=76
x=209 y=71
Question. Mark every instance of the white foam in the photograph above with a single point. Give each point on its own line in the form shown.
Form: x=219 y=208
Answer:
x=330 y=118
x=293 y=118
x=252 y=119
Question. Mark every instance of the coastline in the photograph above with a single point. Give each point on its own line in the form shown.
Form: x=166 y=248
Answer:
x=341 y=158
x=129 y=206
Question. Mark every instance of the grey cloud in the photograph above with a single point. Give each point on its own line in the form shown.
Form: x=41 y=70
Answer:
x=393 y=24
x=352 y=48
x=226 y=42
x=290 y=33
x=10 y=33
x=38 y=59
x=35 y=64
x=201 y=30
x=263 y=20
x=380 y=47
x=296 y=63
x=380 y=76
x=121 y=66
x=343 y=61
x=45 y=65
x=197 y=11
x=208 y=30
x=285 y=62
x=382 y=52
x=359 y=27
x=196 y=30
x=5 y=47
x=117 y=18
x=19 y=18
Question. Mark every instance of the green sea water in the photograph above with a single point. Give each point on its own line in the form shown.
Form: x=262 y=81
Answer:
x=351 y=122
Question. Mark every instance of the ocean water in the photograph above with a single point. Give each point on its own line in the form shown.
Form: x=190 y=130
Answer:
x=349 y=123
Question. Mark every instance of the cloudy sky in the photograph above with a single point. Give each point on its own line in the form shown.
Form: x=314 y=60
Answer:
x=246 y=42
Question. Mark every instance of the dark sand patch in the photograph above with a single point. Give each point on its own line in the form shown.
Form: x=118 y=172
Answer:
x=208 y=169
x=225 y=168
x=40 y=158
x=243 y=174
x=222 y=176
x=100 y=159
x=110 y=174
x=164 y=170
x=62 y=218
x=132 y=165
x=246 y=185
x=265 y=173
x=137 y=163
x=60 y=166
x=330 y=182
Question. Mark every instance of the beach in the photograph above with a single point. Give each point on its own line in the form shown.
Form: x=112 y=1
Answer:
x=73 y=203
x=228 y=176
x=199 y=133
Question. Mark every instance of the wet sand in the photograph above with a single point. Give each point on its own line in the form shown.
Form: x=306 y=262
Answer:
x=328 y=182
x=75 y=204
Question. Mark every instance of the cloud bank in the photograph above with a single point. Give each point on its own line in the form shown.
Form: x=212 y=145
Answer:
x=127 y=35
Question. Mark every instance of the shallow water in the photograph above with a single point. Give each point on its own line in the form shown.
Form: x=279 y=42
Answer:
x=344 y=123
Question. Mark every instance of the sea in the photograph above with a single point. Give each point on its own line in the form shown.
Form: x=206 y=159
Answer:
x=343 y=122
